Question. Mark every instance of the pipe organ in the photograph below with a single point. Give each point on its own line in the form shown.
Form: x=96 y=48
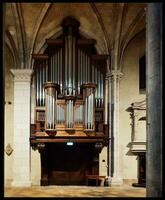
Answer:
x=69 y=85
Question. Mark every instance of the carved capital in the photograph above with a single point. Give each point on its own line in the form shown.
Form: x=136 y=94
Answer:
x=114 y=74
x=22 y=75
x=41 y=147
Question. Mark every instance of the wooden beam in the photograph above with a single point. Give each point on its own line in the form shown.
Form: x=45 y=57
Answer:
x=40 y=56
x=54 y=42
x=86 y=42
x=99 y=57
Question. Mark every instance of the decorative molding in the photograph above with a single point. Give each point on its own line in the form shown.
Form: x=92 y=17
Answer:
x=22 y=75
x=41 y=147
x=139 y=105
x=114 y=74
x=8 y=150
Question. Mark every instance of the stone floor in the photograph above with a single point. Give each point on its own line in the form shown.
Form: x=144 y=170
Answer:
x=75 y=191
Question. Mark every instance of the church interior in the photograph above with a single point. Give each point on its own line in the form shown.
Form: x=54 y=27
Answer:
x=79 y=95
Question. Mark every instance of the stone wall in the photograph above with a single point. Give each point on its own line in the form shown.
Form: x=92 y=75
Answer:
x=129 y=93
x=8 y=118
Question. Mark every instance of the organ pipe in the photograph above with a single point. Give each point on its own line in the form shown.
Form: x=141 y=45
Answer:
x=37 y=85
x=50 y=106
x=61 y=71
x=88 y=95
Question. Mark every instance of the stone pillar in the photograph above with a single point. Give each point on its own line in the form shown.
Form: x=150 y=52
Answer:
x=21 y=144
x=154 y=100
x=113 y=150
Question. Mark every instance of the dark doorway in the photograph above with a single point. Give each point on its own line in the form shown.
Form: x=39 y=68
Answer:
x=68 y=165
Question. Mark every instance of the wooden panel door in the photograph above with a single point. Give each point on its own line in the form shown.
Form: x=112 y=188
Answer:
x=68 y=165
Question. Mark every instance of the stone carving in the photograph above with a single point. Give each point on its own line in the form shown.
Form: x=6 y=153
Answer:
x=8 y=150
x=138 y=126
x=22 y=75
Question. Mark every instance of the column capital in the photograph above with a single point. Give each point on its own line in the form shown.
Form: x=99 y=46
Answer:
x=114 y=73
x=22 y=75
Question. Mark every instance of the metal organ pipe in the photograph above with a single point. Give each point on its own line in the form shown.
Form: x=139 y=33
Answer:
x=73 y=64
x=102 y=82
x=66 y=66
x=40 y=86
x=58 y=67
x=88 y=69
x=96 y=92
x=43 y=80
x=79 y=71
x=81 y=67
x=70 y=63
x=37 y=88
x=61 y=71
x=98 y=88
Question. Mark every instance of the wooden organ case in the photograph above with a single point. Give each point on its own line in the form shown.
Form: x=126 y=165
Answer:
x=69 y=92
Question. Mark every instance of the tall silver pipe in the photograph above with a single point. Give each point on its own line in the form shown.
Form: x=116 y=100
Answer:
x=86 y=76
x=102 y=90
x=83 y=67
x=66 y=64
x=93 y=74
x=79 y=73
x=53 y=112
x=92 y=110
x=75 y=118
x=36 y=85
x=88 y=67
x=70 y=61
x=46 y=70
x=78 y=115
x=67 y=113
x=40 y=84
x=63 y=118
x=89 y=110
x=70 y=114
x=50 y=68
x=59 y=66
x=61 y=70
x=43 y=80
x=81 y=114
x=99 y=88
x=80 y=67
x=86 y=112
x=96 y=91
x=48 y=120
x=73 y=63
x=57 y=119
x=55 y=68
x=59 y=114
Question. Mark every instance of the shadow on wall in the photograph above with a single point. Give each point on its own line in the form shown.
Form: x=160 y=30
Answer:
x=129 y=152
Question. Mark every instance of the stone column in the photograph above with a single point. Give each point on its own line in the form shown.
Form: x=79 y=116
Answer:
x=21 y=144
x=114 y=156
x=154 y=100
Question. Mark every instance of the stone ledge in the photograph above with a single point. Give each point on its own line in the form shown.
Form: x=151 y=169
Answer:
x=138 y=146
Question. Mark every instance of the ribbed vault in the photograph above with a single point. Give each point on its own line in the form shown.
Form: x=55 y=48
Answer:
x=112 y=25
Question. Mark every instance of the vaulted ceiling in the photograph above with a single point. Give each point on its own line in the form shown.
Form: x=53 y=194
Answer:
x=112 y=25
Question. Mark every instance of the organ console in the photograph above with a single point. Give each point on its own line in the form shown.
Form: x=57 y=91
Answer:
x=69 y=89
